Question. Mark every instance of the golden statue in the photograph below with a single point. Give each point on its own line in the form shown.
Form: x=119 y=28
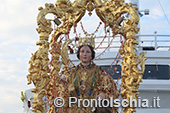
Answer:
x=82 y=80
x=89 y=81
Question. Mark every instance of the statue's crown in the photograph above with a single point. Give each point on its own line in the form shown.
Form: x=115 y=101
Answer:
x=87 y=41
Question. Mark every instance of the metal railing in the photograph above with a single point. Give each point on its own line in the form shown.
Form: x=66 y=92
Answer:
x=159 y=42
x=146 y=42
x=153 y=42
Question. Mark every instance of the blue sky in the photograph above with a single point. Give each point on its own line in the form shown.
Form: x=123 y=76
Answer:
x=156 y=21
x=18 y=37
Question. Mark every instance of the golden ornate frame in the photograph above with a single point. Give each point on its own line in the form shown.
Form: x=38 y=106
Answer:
x=110 y=12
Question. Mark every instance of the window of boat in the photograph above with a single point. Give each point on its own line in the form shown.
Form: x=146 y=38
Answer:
x=151 y=71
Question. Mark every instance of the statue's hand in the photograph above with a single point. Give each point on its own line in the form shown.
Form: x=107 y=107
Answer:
x=71 y=87
x=101 y=96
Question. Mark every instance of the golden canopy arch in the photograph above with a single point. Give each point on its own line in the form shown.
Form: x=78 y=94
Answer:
x=70 y=13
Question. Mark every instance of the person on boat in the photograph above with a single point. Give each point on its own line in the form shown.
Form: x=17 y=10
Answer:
x=88 y=81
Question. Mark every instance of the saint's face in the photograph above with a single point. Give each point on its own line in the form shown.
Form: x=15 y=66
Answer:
x=85 y=54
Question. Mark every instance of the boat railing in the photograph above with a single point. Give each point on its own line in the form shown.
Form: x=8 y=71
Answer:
x=155 y=42
x=146 y=43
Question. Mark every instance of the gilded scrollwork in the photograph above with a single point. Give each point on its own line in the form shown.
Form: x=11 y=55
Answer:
x=39 y=74
x=65 y=59
x=132 y=74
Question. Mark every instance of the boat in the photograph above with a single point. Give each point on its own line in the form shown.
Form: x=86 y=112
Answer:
x=156 y=79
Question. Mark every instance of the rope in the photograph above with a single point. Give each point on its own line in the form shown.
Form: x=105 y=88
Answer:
x=106 y=48
x=101 y=41
x=118 y=54
x=164 y=12
x=114 y=68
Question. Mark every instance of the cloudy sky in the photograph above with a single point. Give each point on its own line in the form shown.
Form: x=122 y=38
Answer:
x=18 y=37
